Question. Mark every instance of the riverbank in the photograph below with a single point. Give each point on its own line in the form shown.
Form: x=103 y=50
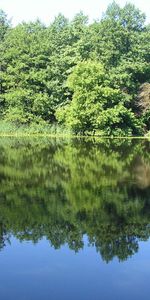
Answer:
x=12 y=130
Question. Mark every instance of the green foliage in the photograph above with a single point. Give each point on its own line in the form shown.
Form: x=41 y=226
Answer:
x=119 y=121
x=95 y=106
x=77 y=73
x=117 y=33
x=4 y=24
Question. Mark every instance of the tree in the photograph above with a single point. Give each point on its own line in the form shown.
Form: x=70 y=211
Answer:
x=25 y=53
x=143 y=103
x=95 y=106
x=115 y=34
x=49 y=73
x=4 y=24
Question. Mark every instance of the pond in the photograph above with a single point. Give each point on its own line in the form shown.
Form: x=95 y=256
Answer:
x=74 y=219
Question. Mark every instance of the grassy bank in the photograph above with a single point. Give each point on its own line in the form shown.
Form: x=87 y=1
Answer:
x=34 y=129
x=11 y=129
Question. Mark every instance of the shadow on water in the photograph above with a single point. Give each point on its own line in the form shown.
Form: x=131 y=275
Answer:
x=63 y=189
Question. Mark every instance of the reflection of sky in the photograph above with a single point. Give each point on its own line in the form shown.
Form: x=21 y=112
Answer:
x=46 y=10
x=39 y=272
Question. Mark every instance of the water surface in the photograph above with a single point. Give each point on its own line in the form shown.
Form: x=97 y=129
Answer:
x=74 y=219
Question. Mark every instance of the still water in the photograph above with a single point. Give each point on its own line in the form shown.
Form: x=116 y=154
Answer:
x=74 y=219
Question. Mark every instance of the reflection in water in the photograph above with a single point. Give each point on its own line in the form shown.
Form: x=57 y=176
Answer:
x=62 y=189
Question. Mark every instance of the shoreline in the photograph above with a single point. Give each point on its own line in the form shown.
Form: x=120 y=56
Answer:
x=70 y=136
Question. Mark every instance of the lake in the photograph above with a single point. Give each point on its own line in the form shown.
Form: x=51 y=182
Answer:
x=74 y=219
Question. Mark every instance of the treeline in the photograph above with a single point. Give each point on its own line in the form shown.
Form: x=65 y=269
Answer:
x=88 y=78
x=63 y=190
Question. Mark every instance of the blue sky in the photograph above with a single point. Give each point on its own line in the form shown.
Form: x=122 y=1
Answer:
x=46 y=10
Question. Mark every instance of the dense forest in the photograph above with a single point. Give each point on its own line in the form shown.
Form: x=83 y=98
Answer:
x=65 y=189
x=85 y=78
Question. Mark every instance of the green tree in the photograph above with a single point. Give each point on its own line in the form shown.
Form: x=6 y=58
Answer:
x=39 y=67
x=95 y=106
x=25 y=54
x=4 y=24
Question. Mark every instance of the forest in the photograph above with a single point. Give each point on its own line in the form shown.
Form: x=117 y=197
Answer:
x=77 y=77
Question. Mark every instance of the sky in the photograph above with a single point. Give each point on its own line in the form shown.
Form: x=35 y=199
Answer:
x=46 y=10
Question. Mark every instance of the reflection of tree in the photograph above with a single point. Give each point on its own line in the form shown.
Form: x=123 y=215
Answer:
x=65 y=189
x=121 y=241
x=142 y=173
x=4 y=236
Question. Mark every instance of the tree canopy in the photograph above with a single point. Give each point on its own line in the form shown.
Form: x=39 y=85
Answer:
x=87 y=77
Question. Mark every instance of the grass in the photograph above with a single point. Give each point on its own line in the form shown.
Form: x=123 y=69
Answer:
x=10 y=129
x=34 y=129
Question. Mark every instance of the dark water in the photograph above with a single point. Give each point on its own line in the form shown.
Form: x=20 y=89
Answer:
x=74 y=219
